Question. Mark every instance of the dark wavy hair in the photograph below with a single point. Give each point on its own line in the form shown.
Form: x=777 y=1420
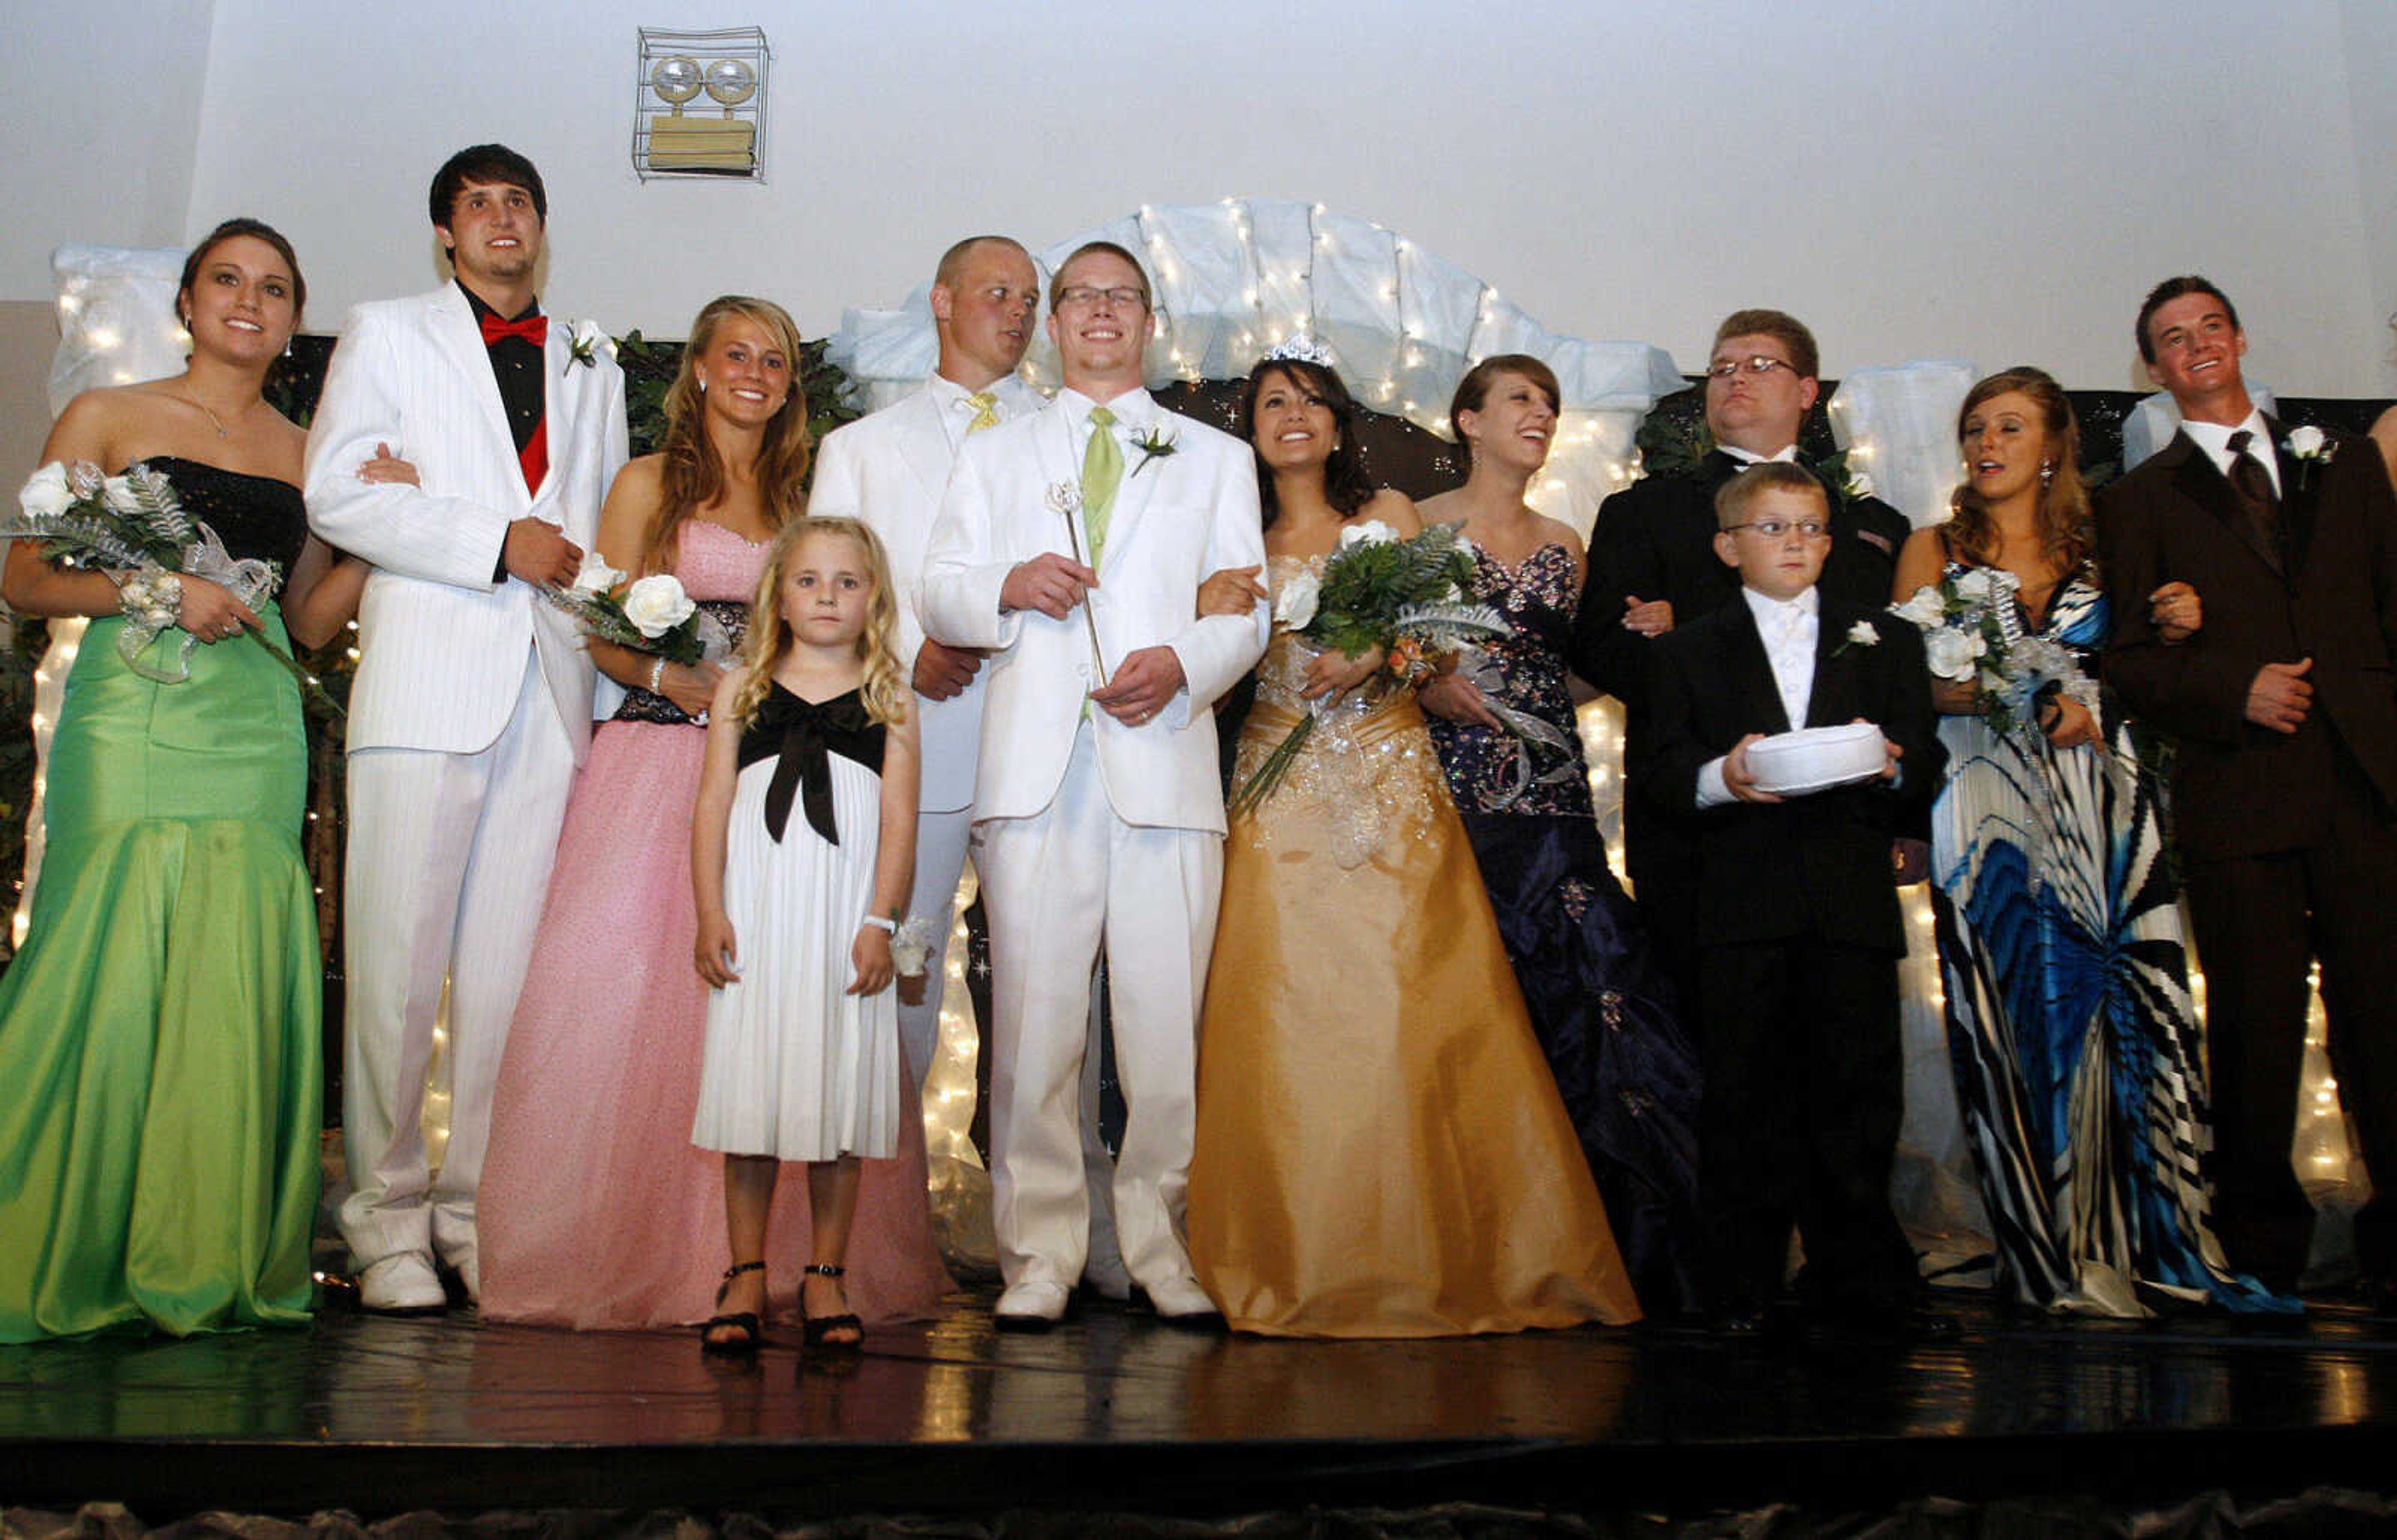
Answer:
x=256 y=230
x=492 y=163
x=1345 y=486
x=2067 y=534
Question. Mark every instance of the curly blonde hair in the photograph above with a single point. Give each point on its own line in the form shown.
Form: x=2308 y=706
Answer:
x=888 y=696
x=692 y=472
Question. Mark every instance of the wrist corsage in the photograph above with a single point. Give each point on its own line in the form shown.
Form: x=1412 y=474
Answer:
x=911 y=946
x=153 y=597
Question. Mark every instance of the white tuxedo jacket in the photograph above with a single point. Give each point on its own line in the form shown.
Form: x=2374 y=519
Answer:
x=442 y=647
x=889 y=470
x=1180 y=517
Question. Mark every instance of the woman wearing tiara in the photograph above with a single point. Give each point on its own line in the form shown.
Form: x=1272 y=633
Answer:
x=1380 y=1151
x=159 y=1031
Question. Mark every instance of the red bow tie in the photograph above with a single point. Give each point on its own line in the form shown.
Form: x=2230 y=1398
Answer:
x=532 y=328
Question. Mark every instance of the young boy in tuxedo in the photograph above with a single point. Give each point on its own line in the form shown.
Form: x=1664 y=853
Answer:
x=1798 y=933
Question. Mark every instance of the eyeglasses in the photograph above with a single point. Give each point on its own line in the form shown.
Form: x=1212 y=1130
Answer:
x=1758 y=365
x=1773 y=529
x=1082 y=297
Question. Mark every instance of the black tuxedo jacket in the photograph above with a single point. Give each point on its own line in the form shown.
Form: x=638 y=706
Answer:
x=1656 y=539
x=1819 y=863
x=2239 y=789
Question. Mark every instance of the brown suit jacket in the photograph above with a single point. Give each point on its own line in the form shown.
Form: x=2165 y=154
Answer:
x=2239 y=789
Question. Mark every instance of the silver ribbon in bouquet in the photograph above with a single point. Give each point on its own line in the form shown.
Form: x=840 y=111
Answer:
x=1477 y=668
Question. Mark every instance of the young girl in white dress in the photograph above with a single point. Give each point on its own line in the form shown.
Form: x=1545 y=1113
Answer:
x=802 y=850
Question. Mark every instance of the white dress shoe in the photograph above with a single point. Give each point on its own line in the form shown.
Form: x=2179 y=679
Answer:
x=402 y=1284
x=1181 y=1299
x=1033 y=1304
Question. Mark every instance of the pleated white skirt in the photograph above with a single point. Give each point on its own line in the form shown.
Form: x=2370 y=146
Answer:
x=795 y=1068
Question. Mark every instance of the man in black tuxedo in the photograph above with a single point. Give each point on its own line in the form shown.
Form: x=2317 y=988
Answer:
x=2284 y=702
x=1653 y=567
x=1797 y=997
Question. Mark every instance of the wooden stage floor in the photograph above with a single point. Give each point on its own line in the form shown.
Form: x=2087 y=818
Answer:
x=1117 y=1412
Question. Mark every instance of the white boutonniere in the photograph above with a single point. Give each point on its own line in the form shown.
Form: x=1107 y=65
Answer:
x=2309 y=446
x=1861 y=633
x=1155 y=444
x=583 y=341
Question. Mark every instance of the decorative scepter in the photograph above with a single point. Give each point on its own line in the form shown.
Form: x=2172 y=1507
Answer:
x=1065 y=498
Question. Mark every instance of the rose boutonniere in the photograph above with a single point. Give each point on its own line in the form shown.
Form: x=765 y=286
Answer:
x=1155 y=444
x=583 y=341
x=2309 y=447
x=1859 y=635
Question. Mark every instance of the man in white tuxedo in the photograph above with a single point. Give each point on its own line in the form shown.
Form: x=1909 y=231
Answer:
x=889 y=470
x=1070 y=545
x=472 y=704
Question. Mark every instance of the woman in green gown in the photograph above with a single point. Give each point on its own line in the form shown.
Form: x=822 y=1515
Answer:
x=159 y=1028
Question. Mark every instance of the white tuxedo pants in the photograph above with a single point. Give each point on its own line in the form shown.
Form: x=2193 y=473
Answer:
x=1062 y=884
x=940 y=862
x=449 y=862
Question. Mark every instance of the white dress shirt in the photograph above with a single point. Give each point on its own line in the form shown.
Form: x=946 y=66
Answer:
x=1789 y=631
x=2214 y=440
x=1016 y=397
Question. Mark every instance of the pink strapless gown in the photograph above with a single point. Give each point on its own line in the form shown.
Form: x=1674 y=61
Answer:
x=595 y=1211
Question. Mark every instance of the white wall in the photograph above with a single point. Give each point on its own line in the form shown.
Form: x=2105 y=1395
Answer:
x=1939 y=177
x=103 y=120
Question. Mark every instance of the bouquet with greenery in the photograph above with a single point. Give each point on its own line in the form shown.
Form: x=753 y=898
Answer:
x=1966 y=637
x=652 y=615
x=1405 y=597
x=134 y=525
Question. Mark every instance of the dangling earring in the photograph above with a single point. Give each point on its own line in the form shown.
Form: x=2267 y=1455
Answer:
x=2047 y=473
x=703 y=381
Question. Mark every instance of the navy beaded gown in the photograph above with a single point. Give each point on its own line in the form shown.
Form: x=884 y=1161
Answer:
x=1600 y=1003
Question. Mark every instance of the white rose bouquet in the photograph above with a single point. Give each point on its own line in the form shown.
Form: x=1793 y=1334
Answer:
x=651 y=614
x=1405 y=597
x=1966 y=639
x=134 y=525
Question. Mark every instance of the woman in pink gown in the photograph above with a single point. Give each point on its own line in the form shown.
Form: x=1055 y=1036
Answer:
x=595 y=1211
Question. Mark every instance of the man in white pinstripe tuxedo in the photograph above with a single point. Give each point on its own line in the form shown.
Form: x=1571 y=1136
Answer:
x=473 y=701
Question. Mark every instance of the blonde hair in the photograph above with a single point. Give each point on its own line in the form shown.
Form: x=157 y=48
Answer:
x=885 y=687
x=692 y=474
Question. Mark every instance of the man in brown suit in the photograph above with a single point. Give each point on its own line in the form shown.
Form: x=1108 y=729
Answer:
x=2285 y=701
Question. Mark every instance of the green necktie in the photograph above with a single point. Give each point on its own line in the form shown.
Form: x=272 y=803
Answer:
x=1101 y=473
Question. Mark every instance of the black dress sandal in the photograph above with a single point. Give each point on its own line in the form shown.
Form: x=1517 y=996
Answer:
x=816 y=1330
x=753 y=1333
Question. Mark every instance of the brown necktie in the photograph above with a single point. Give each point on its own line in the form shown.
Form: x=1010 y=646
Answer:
x=2255 y=489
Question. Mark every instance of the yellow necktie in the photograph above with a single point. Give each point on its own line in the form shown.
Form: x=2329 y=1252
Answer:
x=1101 y=473
x=985 y=405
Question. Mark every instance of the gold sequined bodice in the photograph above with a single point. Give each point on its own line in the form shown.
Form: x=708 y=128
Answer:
x=1366 y=774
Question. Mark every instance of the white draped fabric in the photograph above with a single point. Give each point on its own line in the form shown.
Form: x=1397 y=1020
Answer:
x=117 y=325
x=1402 y=323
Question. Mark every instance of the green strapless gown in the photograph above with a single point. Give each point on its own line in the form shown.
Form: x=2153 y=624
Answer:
x=160 y=1088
